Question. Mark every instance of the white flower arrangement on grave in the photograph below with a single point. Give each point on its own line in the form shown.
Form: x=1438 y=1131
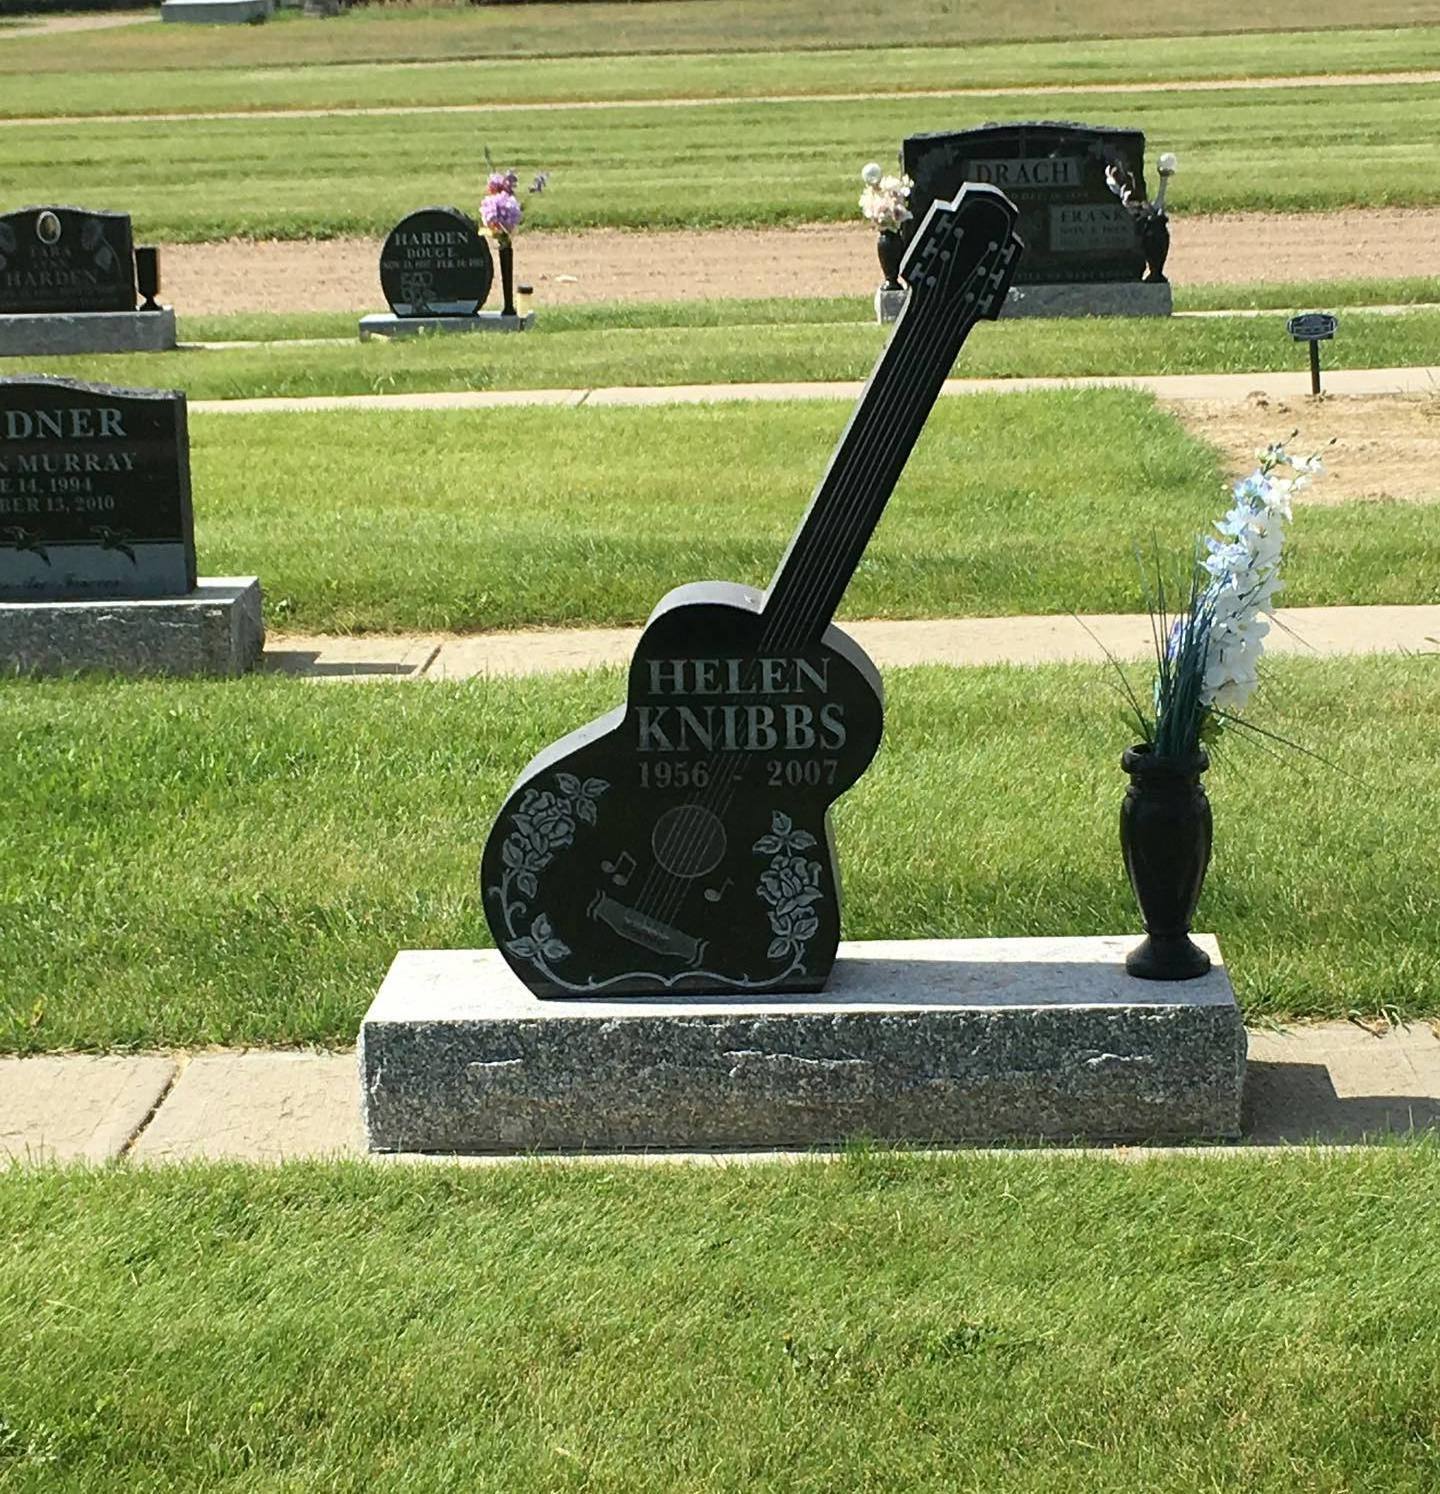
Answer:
x=1207 y=666
x=1207 y=657
x=885 y=200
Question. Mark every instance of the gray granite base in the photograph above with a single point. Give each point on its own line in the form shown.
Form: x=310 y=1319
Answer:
x=889 y=304
x=916 y=1041
x=56 y=333
x=217 y=12
x=216 y=629
x=384 y=324
x=1091 y=298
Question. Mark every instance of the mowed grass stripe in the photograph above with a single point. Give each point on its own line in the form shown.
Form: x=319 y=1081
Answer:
x=1301 y=150
x=238 y=862
x=723 y=74
x=881 y=1323
x=1279 y=296
x=445 y=33
x=529 y=517
x=574 y=351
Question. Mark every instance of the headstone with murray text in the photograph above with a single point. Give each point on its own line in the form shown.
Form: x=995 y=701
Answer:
x=94 y=492
x=97 y=539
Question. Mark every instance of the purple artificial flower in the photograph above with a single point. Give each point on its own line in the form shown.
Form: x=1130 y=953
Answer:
x=501 y=212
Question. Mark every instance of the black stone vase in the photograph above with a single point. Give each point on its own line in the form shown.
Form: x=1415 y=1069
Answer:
x=890 y=245
x=507 y=278
x=1165 y=835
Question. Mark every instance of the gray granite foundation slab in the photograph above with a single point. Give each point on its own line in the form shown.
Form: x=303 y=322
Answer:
x=1091 y=298
x=54 y=333
x=216 y=629
x=217 y=12
x=385 y=324
x=916 y=1041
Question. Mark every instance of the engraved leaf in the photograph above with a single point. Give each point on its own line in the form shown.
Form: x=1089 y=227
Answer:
x=592 y=788
x=801 y=840
x=779 y=948
x=523 y=949
x=569 y=784
x=554 y=949
x=511 y=853
x=585 y=808
x=527 y=884
x=767 y=845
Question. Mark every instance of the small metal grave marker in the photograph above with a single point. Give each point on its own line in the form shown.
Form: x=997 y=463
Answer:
x=1313 y=327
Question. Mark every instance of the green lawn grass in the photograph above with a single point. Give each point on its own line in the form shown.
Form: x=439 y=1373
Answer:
x=881 y=1324
x=148 y=87
x=573 y=352
x=417 y=33
x=238 y=862
x=650 y=167
x=363 y=521
x=1286 y=296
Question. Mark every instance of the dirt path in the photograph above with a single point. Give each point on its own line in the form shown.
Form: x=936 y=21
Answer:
x=41 y=26
x=572 y=269
x=1036 y=90
x=1384 y=450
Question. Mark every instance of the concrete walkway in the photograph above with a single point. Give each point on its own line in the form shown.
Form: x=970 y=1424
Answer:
x=892 y=644
x=1290 y=385
x=1335 y=1083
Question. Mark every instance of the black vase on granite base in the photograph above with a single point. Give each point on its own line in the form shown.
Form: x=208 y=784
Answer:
x=1166 y=832
x=507 y=278
x=890 y=246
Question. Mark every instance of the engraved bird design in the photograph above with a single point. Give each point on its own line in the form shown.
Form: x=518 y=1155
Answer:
x=115 y=539
x=22 y=539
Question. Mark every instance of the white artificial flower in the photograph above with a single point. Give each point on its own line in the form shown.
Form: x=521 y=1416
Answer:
x=1168 y=163
x=872 y=173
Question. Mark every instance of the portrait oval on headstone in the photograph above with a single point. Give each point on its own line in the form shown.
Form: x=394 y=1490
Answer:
x=435 y=263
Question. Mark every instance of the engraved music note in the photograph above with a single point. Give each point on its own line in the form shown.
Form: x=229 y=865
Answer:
x=714 y=894
x=620 y=871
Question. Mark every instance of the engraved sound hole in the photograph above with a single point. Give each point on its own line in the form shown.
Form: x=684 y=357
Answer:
x=688 y=841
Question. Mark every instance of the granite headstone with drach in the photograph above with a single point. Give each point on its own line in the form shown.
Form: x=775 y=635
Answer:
x=436 y=272
x=1095 y=244
x=663 y=891
x=68 y=282
x=97 y=538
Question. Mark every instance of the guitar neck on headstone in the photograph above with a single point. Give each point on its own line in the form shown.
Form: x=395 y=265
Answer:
x=958 y=269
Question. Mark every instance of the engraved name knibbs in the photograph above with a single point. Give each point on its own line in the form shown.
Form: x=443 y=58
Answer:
x=772 y=724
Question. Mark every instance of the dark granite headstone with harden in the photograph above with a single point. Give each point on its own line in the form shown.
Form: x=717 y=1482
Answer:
x=66 y=259
x=435 y=263
x=1074 y=226
x=94 y=492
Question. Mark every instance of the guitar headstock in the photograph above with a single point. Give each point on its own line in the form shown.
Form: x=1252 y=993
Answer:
x=965 y=250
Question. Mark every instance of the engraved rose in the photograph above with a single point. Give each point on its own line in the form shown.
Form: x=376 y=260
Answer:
x=544 y=822
x=790 y=883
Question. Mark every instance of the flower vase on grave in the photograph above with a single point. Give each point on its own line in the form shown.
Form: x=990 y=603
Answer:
x=507 y=277
x=890 y=246
x=1165 y=835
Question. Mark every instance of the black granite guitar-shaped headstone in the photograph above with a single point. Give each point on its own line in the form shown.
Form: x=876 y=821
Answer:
x=682 y=842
